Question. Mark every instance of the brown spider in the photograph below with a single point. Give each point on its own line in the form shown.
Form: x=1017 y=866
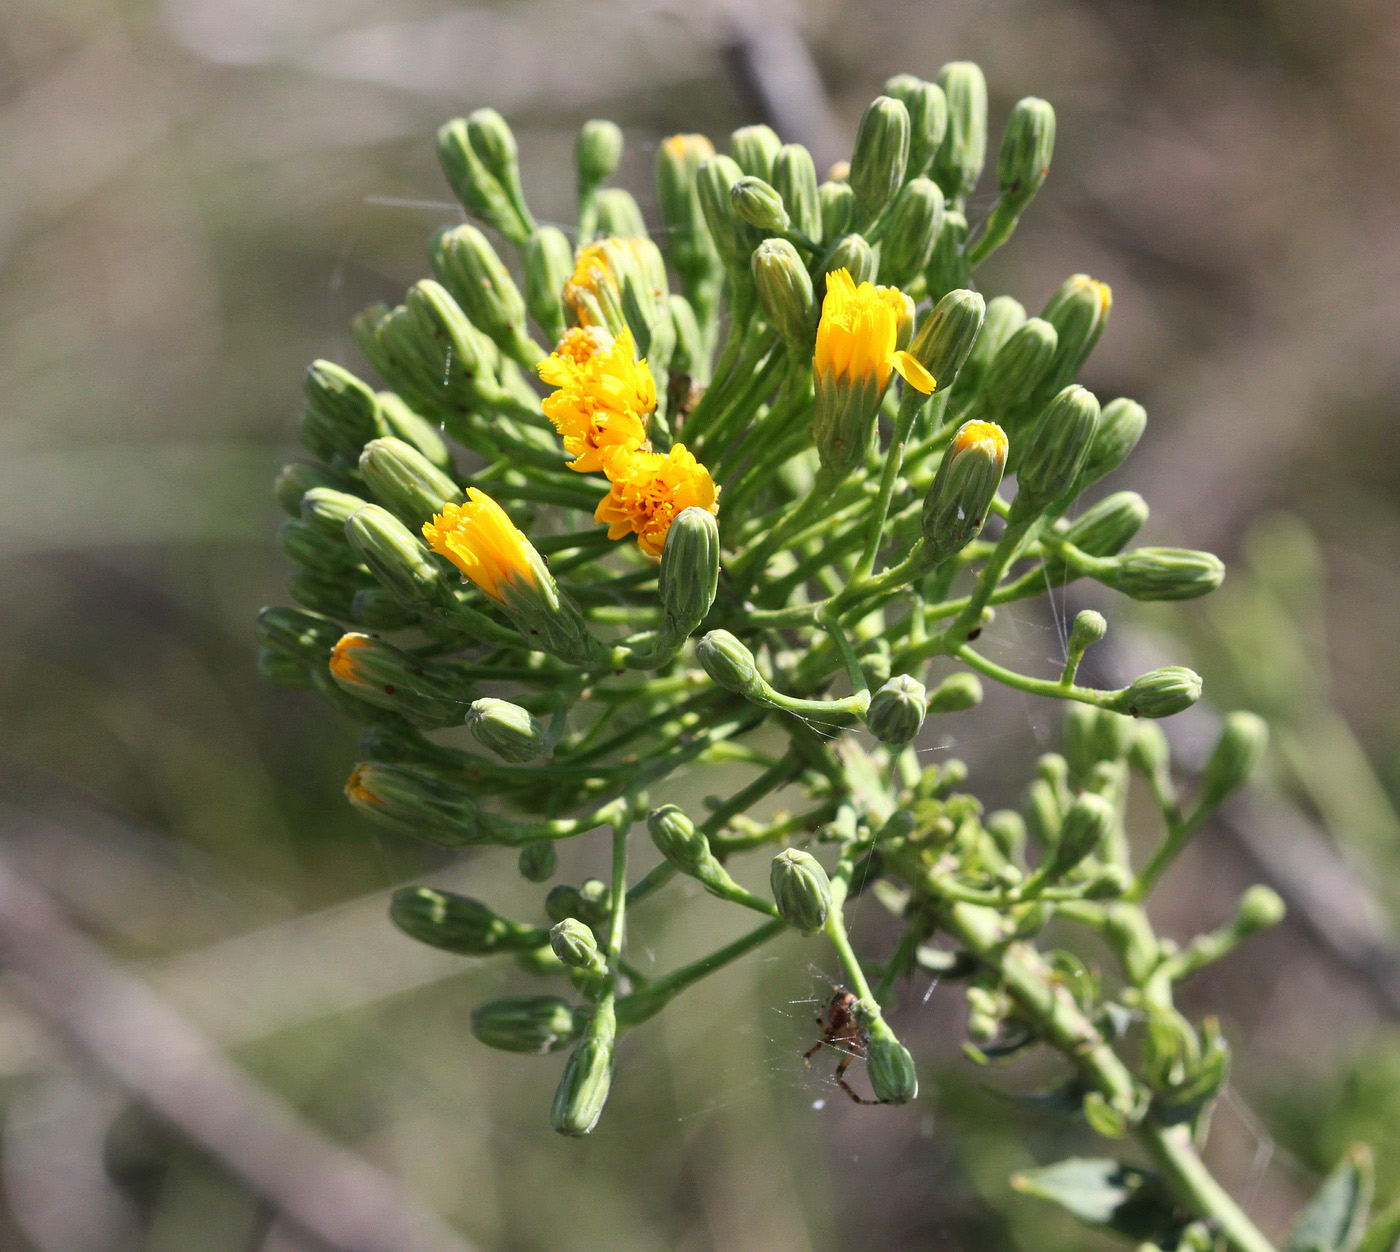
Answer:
x=841 y=1029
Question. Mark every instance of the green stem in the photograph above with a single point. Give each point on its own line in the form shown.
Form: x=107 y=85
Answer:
x=1036 y=686
x=909 y=407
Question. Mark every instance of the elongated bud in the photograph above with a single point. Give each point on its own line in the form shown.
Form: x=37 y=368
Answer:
x=880 y=158
x=397 y=558
x=426 y=692
x=854 y=254
x=1005 y=315
x=416 y=431
x=838 y=206
x=314 y=550
x=1259 y=909
x=418 y=804
x=911 y=230
x=587 y=1078
x=321 y=594
x=897 y=710
x=341 y=416
x=494 y=143
x=688 y=356
x=467 y=265
x=447 y=355
x=296 y=479
x=1022 y=164
x=754 y=149
x=574 y=944
x=1019 y=368
x=1120 y=428
x=457 y=923
x=801 y=890
x=596 y=154
x=759 y=205
x=282 y=670
x=689 y=574
x=1237 y=754
x=295 y=633
x=947 y=334
x=1103 y=529
x=619 y=214
x=1161 y=573
x=1055 y=449
x=1160 y=693
x=733 y=236
x=795 y=180
x=962 y=489
x=677 y=839
x=958 y=163
x=538 y=861
x=956 y=694
x=729 y=663
x=328 y=510
x=404 y=481
x=1079 y=312
x=888 y=1064
x=375 y=609
x=479 y=191
x=928 y=118
x=948 y=267
x=1149 y=753
x=688 y=241
x=549 y=263
x=1086 y=824
x=785 y=291
x=537 y=1024
x=507 y=730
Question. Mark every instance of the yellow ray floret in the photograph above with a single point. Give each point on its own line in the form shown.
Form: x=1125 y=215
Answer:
x=481 y=541
x=649 y=491
x=987 y=437
x=603 y=397
x=858 y=334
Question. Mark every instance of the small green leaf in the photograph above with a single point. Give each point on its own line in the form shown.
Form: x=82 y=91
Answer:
x=1105 y=1193
x=1384 y=1234
x=1103 y=1118
x=1335 y=1221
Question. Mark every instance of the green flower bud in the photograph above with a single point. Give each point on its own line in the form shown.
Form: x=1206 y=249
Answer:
x=1005 y=315
x=418 y=804
x=947 y=334
x=536 y=1024
x=754 y=149
x=785 y=291
x=838 y=207
x=1109 y=883
x=888 y=1064
x=1237 y=754
x=1160 y=693
x=897 y=710
x=801 y=890
x=435 y=346
x=375 y=609
x=342 y=414
x=574 y=944
x=1149 y=753
x=911 y=230
x=321 y=594
x=1089 y=627
x=296 y=479
x=1161 y=573
x=596 y=154
x=1026 y=147
x=314 y=550
x=457 y=923
x=619 y=214
x=1008 y=831
x=853 y=253
x=563 y=902
x=327 y=510
x=295 y=633
x=948 y=267
x=956 y=694
x=282 y=670
x=958 y=163
x=729 y=663
x=880 y=158
x=427 y=693
x=1079 y=312
x=1018 y=368
x=678 y=840
x=688 y=241
x=538 y=861
x=1055 y=449
x=689 y=575
x=494 y=144
x=759 y=205
x=405 y=482
x=467 y=265
x=1120 y=428
x=479 y=191
x=1102 y=530
x=419 y=433
x=733 y=236
x=795 y=180
x=587 y=1078
x=549 y=263
x=397 y=558
x=1260 y=908
x=962 y=489
x=507 y=730
x=1083 y=830
x=928 y=118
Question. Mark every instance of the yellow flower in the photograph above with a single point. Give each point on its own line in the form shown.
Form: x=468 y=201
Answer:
x=342 y=664
x=481 y=541
x=649 y=491
x=858 y=333
x=986 y=437
x=603 y=399
x=592 y=277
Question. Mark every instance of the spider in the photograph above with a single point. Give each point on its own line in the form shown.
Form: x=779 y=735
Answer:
x=841 y=1029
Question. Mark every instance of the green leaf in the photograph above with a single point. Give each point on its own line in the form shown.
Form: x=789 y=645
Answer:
x=1384 y=1234
x=1335 y=1221
x=1107 y=1194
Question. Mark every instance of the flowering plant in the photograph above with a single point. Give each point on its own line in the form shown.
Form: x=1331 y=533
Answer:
x=741 y=522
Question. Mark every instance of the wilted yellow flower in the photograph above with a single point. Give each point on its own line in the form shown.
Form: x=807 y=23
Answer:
x=603 y=399
x=481 y=541
x=649 y=491
x=857 y=338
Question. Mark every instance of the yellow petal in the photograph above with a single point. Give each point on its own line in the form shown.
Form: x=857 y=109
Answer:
x=912 y=372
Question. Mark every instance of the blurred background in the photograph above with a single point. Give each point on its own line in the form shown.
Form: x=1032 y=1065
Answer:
x=210 y=1037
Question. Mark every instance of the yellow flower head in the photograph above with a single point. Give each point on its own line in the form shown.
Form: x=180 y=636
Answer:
x=592 y=276
x=356 y=789
x=481 y=541
x=986 y=437
x=857 y=338
x=342 y=663
x=649 y=491
x=603 y=399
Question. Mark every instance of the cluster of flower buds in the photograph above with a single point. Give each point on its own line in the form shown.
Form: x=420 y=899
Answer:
x=623 y=508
